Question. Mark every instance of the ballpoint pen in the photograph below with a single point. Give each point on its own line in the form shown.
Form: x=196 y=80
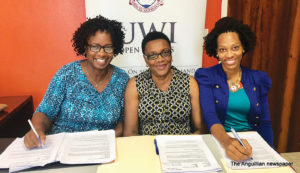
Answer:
x=156 y=147
x=34 y=131
x=238 y=138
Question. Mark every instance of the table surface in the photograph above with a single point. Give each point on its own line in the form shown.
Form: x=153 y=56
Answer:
x=293 y=157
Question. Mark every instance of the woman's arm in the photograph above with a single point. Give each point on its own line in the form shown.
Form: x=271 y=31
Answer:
x=42 y=124
x=207 y=97
x=131 y=109
x=198 y=123
x=119 y=129
x=265 y=126
x=48 y=109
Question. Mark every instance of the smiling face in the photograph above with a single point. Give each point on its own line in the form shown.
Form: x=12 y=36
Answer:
x=229 y=50
x=100 y=59
x=161 y=66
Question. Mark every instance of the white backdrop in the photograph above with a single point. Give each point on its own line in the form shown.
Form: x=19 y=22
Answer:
x=182 y=21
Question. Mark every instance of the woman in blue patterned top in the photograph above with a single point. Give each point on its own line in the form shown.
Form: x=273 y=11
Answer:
x=86 y=94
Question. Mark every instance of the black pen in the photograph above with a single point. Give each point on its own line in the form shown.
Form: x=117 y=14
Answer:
x=156 y=147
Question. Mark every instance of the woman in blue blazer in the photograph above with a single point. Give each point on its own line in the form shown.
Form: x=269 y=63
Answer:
x=232 y=95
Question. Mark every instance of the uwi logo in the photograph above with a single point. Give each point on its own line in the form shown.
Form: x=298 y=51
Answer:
x=146 y=6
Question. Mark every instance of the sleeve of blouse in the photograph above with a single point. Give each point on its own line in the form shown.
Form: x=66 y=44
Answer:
x=54 y=96
x=125 y=79
x=265 y=125
x=206 y=98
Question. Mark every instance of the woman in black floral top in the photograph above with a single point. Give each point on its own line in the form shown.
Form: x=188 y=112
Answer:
x=161 y=100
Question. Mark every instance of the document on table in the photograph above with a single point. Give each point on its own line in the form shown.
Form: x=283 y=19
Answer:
x=17 y=157
x=186 y=153
x=68 y=148
x=263 y=155
x=88 y=147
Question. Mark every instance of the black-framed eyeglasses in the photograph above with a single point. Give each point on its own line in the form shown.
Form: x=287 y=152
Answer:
x=97 y=48
x=165 y=53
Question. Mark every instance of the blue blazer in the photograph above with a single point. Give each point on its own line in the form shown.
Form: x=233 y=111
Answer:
x=214 y=95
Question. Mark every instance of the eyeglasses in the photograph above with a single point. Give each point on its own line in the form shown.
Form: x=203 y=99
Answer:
x=165 y=53
x=97 y=48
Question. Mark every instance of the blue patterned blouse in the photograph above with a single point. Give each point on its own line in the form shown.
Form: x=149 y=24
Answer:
x=73 y=104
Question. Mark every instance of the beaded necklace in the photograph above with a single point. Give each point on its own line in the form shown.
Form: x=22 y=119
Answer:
x=235 y=86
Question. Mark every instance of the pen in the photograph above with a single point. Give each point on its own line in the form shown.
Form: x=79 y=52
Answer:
x=34 y=131
x=156 y=147
x=238 y=138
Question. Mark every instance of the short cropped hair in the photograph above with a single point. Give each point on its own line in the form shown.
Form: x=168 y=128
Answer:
x=229 y=24
x=154 y=36
x=99 y=23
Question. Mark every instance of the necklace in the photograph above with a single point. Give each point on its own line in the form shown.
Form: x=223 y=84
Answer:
x=94 y=82
x=235 y=86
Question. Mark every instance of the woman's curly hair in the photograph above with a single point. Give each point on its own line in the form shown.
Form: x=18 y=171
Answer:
x=229 y=24
x=91 y=26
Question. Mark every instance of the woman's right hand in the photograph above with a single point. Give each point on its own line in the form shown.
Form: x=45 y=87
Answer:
x=42 y=124
x=31 y=141
x=235 y=151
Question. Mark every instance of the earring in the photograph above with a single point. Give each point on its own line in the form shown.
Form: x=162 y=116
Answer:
x=84 y=54
x=243 y=51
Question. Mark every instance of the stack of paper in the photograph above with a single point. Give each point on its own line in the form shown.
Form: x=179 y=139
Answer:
x=185 y=154
x=68 y=148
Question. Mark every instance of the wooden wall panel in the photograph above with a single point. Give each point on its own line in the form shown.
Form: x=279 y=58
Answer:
x=293 y=143
x=273 y=22
x=294 y=130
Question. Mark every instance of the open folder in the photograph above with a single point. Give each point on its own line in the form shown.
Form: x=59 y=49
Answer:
x=68 y=148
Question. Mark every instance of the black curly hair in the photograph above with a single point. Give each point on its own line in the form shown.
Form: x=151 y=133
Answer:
x=91 y=26
x=154 y=36
x=229 y=24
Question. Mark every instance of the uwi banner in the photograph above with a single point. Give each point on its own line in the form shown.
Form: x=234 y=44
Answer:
x=182 y=21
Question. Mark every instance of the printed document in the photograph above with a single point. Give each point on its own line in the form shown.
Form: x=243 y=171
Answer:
x=263 y=155
x=186 y=153
x=68 y=148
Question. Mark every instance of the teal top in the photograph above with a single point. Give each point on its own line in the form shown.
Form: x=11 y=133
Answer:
x=237 y=111
x=73 y=104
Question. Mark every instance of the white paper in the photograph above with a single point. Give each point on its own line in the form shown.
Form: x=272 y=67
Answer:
x=89 y=147
x=17 y=157
x=185 y=154
x=263 y=155
x=71 y=148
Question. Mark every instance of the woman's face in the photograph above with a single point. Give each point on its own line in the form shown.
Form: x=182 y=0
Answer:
x=161 y=66
x=230 y=50
x=100 y=59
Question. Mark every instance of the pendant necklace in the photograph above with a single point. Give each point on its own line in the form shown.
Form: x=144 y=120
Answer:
x=92 y=81
x=235 y=86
